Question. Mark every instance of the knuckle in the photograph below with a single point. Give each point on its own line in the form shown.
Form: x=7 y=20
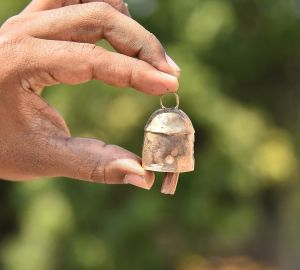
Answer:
x=105 y=7
x=152 y=49
x=101 y=7
x=12 y=21
x=152 y=39
x=97 y=11
x=10 y=43
x=92 y=52
x=132 y=72
x=87 y=47
x=118 y=4
x=96 y=173
x=92 y=49
x=15 y=22
x=14 y=52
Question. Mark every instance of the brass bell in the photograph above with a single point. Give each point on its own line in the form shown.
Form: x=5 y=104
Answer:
x=169 y=145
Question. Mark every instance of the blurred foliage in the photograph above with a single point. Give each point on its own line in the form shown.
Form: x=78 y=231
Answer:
x=240 y=85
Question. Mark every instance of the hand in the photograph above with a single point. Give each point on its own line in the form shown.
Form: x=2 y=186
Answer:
x=53 y=42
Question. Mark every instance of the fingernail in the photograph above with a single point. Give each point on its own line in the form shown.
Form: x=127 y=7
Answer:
x=127 y=10
x=172 y=63
x=137 y=180
x=168 y=76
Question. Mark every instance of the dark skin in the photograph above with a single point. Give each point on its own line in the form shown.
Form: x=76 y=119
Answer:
x=52 y=42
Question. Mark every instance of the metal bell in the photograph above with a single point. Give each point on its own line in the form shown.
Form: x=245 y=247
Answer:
x=169 y=145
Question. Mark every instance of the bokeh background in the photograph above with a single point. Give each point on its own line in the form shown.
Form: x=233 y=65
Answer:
x=239 y=210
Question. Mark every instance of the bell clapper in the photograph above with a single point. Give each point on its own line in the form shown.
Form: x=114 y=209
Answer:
x=170 y=181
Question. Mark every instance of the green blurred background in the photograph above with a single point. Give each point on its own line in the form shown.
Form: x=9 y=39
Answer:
x=239 y=210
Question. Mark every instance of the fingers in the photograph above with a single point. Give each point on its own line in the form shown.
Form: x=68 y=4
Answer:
x=91 y=22
x=92 y=160
x=40 y=5
x=75 y=63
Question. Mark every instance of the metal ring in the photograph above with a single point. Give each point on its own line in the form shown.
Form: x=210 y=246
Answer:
x=177 y=101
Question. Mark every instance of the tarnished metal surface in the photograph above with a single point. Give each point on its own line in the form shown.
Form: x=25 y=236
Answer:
x=169 y=121
x=169 y=142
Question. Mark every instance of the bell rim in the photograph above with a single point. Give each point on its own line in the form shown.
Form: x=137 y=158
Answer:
x=161 y=168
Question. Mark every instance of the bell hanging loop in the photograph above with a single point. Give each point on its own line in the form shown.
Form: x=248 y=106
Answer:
x=162 y=104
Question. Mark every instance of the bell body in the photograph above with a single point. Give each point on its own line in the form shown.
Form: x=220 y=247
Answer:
x=169 y=142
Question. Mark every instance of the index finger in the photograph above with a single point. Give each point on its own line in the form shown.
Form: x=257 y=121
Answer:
x=91 y=22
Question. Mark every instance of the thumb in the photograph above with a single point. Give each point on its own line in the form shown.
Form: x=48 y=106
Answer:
x=95 y=161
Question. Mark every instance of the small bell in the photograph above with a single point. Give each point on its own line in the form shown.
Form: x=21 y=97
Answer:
x=169 y=145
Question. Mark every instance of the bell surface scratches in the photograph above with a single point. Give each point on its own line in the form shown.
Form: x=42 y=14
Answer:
x=169 y=145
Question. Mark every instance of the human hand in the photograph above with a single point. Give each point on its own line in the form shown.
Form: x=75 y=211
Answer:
x=53 y=42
